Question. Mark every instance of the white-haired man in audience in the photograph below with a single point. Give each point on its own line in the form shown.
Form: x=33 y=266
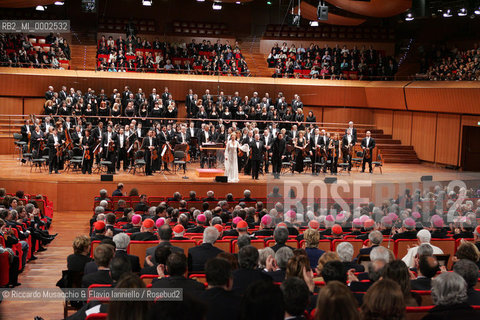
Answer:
x=423 y=236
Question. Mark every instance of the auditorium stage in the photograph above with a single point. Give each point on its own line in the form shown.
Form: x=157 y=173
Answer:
x=74 y=191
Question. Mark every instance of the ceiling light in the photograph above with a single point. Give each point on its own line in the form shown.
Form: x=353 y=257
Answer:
x=40 y=8
x=238 y=2
x=59 y=3
x=217 y=6
x=477 y=11
x=313 y=23
x=409 y=17
x=147 y=3
x=447 y=14
x=462 y=12
x=269 y=3
x=200 y=0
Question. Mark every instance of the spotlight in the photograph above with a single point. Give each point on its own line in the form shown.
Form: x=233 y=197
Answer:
x=217 y=6
x=147 y=3
x=40 y=8
x=237 y=2
x=200 y=0
x=59 y=3
x=409 y=17
x=462 y=12
x=447 y=14
x=313 y=23
x=269 y=3
x=477 y=11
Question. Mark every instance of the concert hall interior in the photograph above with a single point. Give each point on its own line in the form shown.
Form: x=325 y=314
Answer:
x=281 y=159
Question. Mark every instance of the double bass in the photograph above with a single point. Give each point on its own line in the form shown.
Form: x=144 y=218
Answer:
x=167 y=153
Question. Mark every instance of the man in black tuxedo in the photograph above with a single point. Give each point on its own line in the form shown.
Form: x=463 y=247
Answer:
x=267 y=140
x=149 y=145
x=49 y=93
x=367 y=143
x=348 y=140
x=205 y=137
x=165 y=97
x=54 y=141
x=316 y=141
x=26 y=129
x=256 y=148
x=122 y=150
x=109 y=146
x=352 y=130
x=190 y=104
x=278 y=151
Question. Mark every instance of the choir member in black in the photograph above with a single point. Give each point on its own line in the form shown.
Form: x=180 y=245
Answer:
x=63 y=110
x=368 y=143
x=278 y=153
x=267 y=142
x=88 y=143
x=190 y=104
x=324 y=142
x=299 y=119
x=165 y=96
x=315 y=153
x=49 y=108
x=201 y=115
x=89 y=113
x=288 y=117
x=157 y=111
x=122 y=149
x=256 y=150
x=116 y=110
x=109 y=145
x=241 y=116
x=149 y=145
x=221 y=135
x=264 y=116
x=348 y=142
x=310 y=117
x=54 y=142
x=130 y=111
x=334 y=146
x=36 y=138
x=300 y=144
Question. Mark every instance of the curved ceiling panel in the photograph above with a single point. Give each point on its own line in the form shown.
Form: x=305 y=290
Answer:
x=310 y=12
x=24 y=3
x=374 y=8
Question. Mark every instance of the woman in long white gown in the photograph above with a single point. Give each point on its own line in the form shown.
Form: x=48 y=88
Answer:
x=231 y=163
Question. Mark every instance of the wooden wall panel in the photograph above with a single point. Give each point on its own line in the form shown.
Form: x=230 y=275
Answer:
x=6 y=145
x=33 y=105
x=383 y=119
x=385 y=95
x=447 y=140
x=343 y=115
x=10 y=105
x=424 y=129
x=402 y=126
x=466 y=121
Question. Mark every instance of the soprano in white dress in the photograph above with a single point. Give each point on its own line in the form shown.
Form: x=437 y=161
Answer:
x=231 y=163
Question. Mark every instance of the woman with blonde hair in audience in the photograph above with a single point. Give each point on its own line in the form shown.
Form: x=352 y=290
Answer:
x=383 y=301
x=299 y=266
x=336 y=302
x=312 y=238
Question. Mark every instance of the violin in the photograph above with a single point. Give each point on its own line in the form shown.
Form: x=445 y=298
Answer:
x=111 y=146
x=367 y=153
x=87 y=154
x=154 y=154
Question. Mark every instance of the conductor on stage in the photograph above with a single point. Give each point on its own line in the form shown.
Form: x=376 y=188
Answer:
x=368 y=143
x=257 y=149
x=149 y=144
x=52 y=144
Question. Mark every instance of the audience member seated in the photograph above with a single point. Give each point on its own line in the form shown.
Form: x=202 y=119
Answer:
x=423 y=237
x=336 y=302
x=427 y=269
x=199 y=255
x=122 y=241
x=146 y=232
x=248 y=271
x=398 y=272
x=312 y=238
x=379 y=257
x=276 y=267
x=281 y=236
x=102 y=255
x=468 y=270
x=165 y=235
x=296 y=297
x=81 y=254
x=262 y=300
x=345 y=252
x=449 y=293
x=375 y=238
x=220 y=298
x=383 y=300
x=331 y=63
x=176 y=269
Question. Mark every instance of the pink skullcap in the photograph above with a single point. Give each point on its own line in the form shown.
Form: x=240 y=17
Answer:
x=291 y=214
x=356 y=222
x=160 y=222
x=136 y=218
x=364 y=218
x=236 y=220
x=369 y=223
x=437 y=222
x=416 y=215
x=314 y=224
x=340 y=217
x=393 y=216
x=336 y=229
x=329 y=218
x=410 y=222
x=266 y=219
x=201 y=218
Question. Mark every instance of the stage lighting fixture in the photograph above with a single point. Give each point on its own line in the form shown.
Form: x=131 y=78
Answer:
x=217 y=6
x=147 y=3
x=59 y=3
x=447 y=14
x=313 y=23
x=409 y=17
x=200 y=0
x=462 y=12
x=322 y=11
x=40 y=8
x=238 y=2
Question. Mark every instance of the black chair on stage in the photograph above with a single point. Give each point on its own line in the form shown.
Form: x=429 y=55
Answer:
x=139 y=162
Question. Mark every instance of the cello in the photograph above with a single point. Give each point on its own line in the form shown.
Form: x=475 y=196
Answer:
x=167 y=153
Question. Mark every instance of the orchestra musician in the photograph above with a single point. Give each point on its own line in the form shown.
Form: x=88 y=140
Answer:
x=300 y=145
x=246 y=161
x=267 y=142
x=353 y=130
x=278 y=153
x=36 y=138
x=205 y=137
x=54 y=145
x=122 y=149
x=149 y=145
x=88 y=144
x=26 y=131
x=163 y=138
x=109 y=145
x=257 y=150
x=77 y=136
x=315 y=142
x=348 y=143
x=334 y=151
x=324 y=141
x=368 y=143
